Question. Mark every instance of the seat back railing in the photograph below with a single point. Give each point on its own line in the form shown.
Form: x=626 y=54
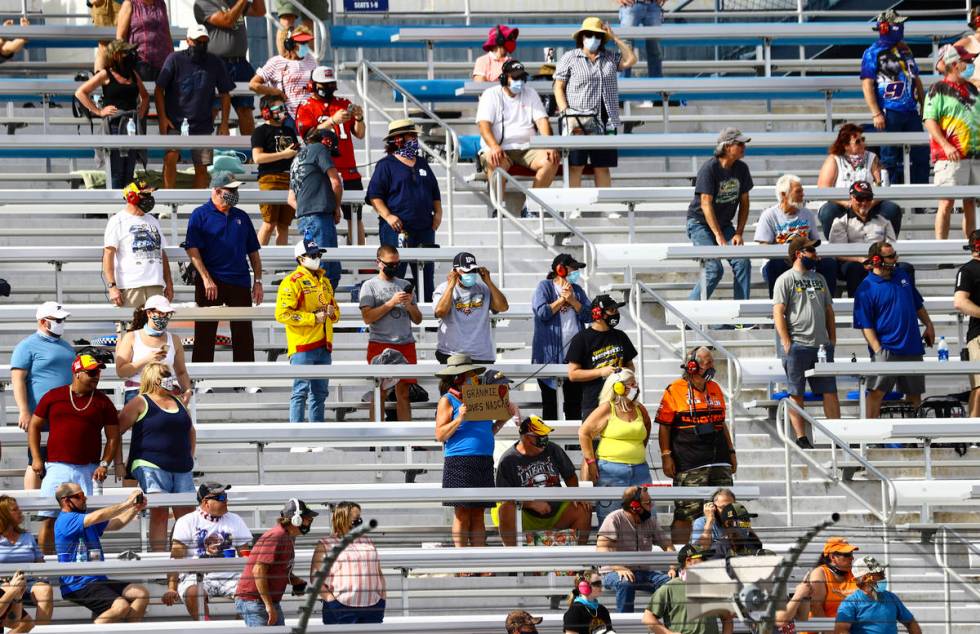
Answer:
x=944 y=536
x=449 y=162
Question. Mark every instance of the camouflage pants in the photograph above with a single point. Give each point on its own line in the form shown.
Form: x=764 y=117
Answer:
x=718 y=476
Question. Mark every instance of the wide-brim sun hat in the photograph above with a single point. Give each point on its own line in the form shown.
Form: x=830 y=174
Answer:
x=591 y=24
x=400 y=126
x=459 y=364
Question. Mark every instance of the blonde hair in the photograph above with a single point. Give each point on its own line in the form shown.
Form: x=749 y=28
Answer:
x=151 y=376
x=281 y=37
x=608 y=392
x=7 y=522
x=343 y=517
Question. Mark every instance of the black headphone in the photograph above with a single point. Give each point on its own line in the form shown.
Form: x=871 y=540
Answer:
x=634 y=503
x=508 y=66
x=691 y=365
x=289 y=44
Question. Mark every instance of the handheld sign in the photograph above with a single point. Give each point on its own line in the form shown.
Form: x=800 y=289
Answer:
x=486 y=402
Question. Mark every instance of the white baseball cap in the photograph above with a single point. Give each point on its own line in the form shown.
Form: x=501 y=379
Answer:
x=159 y=303
x=866 y=566
x=323 y=75
x=197 y=30
x=51 y=309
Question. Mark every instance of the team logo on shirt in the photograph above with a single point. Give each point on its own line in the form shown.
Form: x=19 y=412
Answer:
x=811 y=286
x=727 y=191
x=468 y=303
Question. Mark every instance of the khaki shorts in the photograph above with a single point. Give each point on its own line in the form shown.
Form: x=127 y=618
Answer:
x=136 y=297
x=280 y=214
x=520 y=158
x=973 y=347
x=962 y=172
x=200 y=156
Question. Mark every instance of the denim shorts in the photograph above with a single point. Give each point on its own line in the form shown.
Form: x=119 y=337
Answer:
x=798 y=361
x=240 y=72
x=153 y=480
x=60 y=472
x=254 y=614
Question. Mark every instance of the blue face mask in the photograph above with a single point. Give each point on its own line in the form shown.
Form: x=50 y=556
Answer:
x=468 y=279
x=303 y=50
x=968 y=73
x=516 y=86
x=881 y=585
x=591 y=43
x=574 y=277
x=409 y=149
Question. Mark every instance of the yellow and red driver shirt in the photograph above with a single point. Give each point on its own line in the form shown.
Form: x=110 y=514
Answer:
x=697 y=424
x=299 y=296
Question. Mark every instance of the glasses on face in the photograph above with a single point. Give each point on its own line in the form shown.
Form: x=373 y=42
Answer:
x=859 y=139
x=93 y=373
x=56 y=320
x=383 y=263
x=221 y=497
x=845 y=555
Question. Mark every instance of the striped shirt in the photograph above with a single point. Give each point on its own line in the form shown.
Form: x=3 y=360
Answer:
x=355 y=579
x=290 y=76
x=589 y=84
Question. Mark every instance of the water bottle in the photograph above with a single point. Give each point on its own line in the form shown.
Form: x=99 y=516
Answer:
x=402 y=239
x=81 y=551
x=96 y=487
x=185 y=128
x=131 y=128
x=822 y=354
x=942 y=350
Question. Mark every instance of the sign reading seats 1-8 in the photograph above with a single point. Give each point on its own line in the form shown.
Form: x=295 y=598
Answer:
x=365 y=5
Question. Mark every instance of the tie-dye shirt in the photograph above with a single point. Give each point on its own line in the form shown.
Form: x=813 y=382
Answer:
x=953 y=105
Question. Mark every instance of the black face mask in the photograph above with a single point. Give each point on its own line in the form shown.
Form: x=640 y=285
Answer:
x=389 y=269
x=304 y=528
x=199 y=51
x=325 y=91
x=645 y=514
x=611 y=320
x=146 y=204
x=539 y=441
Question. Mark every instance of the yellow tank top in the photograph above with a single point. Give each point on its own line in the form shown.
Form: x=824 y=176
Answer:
x=622 y=440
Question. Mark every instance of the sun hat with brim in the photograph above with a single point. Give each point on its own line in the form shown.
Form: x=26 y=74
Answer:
x=838 y=545
x=502 y=35
x=866 y=565
x=591 y=25
x=400 y=126
x=118 y=46
x=301 y=34
x=459 y=364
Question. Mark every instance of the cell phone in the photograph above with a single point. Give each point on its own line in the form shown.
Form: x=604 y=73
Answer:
x=350 y=108
x=410 y=288
x=140 y=498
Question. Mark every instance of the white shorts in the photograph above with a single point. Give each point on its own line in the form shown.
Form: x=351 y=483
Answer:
x=214 y=584
x=962 y=172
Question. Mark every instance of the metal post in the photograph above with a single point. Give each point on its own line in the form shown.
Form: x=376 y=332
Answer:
x=703 y=276
x=560 y=394
x=829 y=109
x=369 y=166
x=788 y=464
x=260 y=465
x=173 y=224
x=57 y=281
x=3 y=404
x=767 y=54
x=947 y=603
x=862 y=400
x=665 y=104
x=907 y=167
x=403 y=582
x=519 y=523
x=500 y=234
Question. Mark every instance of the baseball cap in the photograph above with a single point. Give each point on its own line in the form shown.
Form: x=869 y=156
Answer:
x=736 y=513
x=289 y=509
x=118 y=46
x=520 y=618
x=862 y=190
x=838 y=545
x=891 y=16
x=160 y=303
x=866 y=565
x=51 y=309
x=465 y=262
x=732 y=135
x=605 y=301
x=536 y=426
x=799 y=243
x=86 y=362
x=953 y=54
x=197 y=30
x=224 y=180
x=567 y=261
x=211 y=488
x=691 y=551
x=139 y=186
x=323 y=75
x=307 y=247
x=514 y=69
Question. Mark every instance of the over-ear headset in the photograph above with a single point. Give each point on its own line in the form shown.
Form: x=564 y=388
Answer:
x=691 y=365
x=634 y=503
x=619 y=387
x=561 y=270
x=133 y=197
x=264 y=105
x=584 y=586
x=289 y=44
x=296 y=519
x=596 y=312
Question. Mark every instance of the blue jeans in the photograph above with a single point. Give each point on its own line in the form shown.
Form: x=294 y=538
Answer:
x=321 y=228
x=306 y=401
x=161 y=481
x=387 y=235
x=335 y=613
x=825 y=266
x=254 y=614
x=648 y=14
x=646 y=580
x=701 y=236
x=891 y=155
x=618 y=474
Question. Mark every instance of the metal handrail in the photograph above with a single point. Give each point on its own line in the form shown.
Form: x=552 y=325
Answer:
x=734 y=366
x=451 y=160
x=942 y=558
x=889 y=495
x=496 y=180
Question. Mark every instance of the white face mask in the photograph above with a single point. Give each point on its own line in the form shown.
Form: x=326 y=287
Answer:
x=55 y=328
x=591 y=43
x=311 y=263
x=633 y=393
x=168 y=383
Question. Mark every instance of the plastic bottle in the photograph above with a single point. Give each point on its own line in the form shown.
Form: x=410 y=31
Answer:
x=942 y=349
x=81 y=552
x=185 y=128
x=131 y=128
x=822 y=354
x=402 y=239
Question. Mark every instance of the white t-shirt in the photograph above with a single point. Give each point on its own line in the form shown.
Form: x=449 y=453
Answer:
x=511 y=118
x=197 y=532
x=139 y=242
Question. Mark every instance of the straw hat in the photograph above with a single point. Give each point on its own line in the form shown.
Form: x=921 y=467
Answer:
x=592 y=25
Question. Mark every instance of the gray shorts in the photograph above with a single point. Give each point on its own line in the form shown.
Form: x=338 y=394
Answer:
x=906 y=384
x=800 y=359
x=201 y=156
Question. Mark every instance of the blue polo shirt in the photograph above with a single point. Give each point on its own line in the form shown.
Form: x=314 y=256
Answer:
x=47 y=361
x=69 y=528
x=224 y=240
x=889 y=308
x=868 y=616
x=408 y=191
x=189 y=89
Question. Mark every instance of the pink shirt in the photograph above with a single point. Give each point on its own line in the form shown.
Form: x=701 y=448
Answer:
x=489 y=66
x=355 y=579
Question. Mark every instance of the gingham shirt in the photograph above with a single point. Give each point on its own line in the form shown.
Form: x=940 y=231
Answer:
x=355 y=578
x=589 y=82
x=290 y=76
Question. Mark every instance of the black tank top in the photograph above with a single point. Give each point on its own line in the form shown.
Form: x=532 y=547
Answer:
x=122 y=96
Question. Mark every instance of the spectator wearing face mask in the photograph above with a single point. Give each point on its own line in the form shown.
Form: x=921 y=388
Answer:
x=326 y=111
x=464 y=303
x=287 y=75
x=405 y=194
x=273 y=147
x=306 y=306
x=149 y=341
x=134 y=265
x=622 y=425
x=599 y=351
x=184 y=90
x=725 y=528
x=561 y=310
x=695 y=444
x=161 y=446
x=872 y=609
x=221 y=243
x=585 y=614
x=501 y=43
x=40 y=363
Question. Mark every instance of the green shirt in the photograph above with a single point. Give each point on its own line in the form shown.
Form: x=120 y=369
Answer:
x=669 y=605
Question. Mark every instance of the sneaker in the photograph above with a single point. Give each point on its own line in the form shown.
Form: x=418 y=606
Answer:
x=804 y=443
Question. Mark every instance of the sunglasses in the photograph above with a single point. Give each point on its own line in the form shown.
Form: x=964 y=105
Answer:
x=844 y=555
x=859 y=139
x=389 y=263
x=74 y=495
x=221 y=497
x=93 y=373
x=56 y=320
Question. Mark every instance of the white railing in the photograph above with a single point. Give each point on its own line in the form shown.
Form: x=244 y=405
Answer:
x=942 y=540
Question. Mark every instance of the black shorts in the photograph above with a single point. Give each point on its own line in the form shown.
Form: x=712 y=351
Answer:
x=97 y=596
x=595 y=158
x=352 y=186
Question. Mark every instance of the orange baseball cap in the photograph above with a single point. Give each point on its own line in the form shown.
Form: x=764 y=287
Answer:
x=838 y=545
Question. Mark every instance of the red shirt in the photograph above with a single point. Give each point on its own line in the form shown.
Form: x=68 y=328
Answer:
x=275 y=550
x=75 y=437
x=315 y=111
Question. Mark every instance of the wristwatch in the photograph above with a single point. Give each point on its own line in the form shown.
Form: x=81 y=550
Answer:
x=104 y=464
x=112 y=285
x=258 y=281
